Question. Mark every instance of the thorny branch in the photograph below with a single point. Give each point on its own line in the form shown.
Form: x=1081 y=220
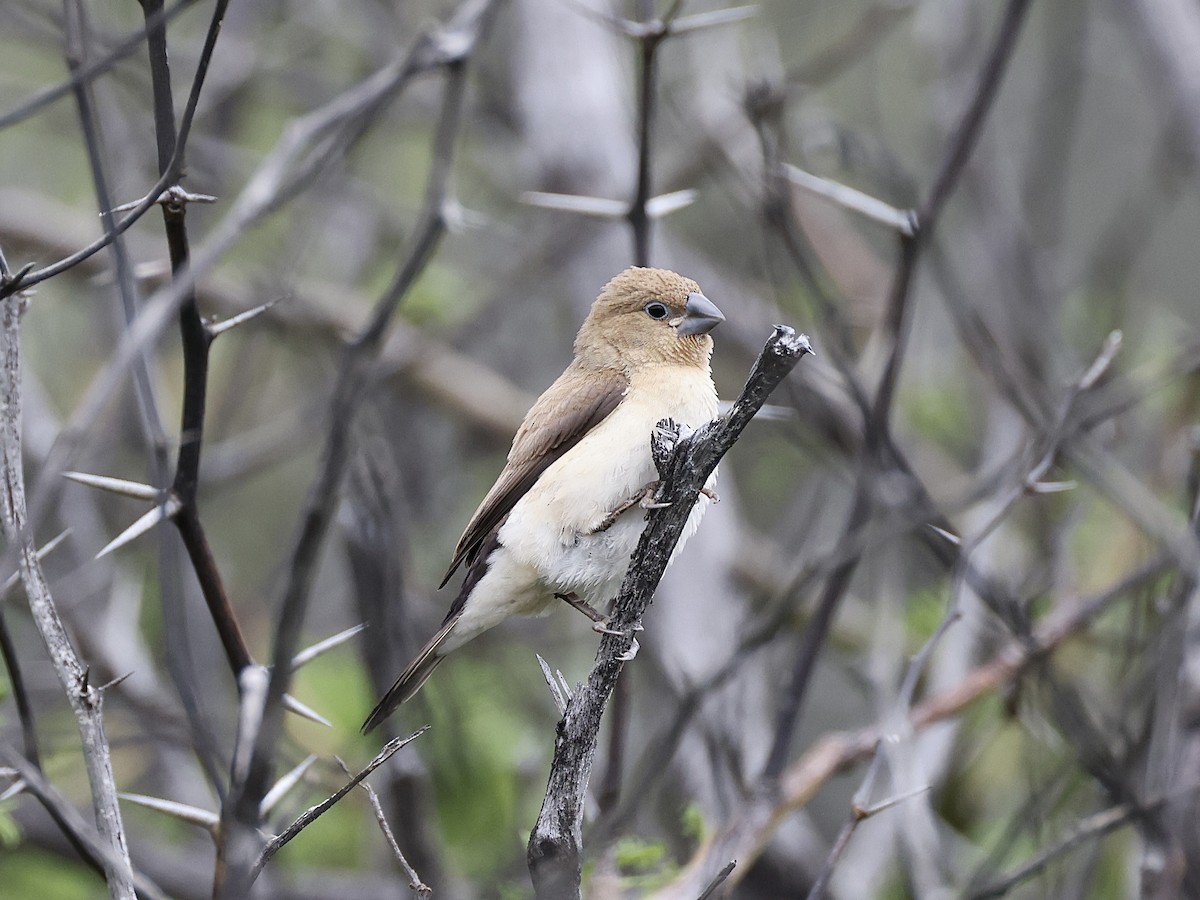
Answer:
x=555 y=852
x=85 y=698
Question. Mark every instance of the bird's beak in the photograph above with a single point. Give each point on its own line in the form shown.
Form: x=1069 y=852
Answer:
x=700 y=316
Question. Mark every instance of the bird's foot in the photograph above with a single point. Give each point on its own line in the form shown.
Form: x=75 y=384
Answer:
x=599 y=619
x=601 y=624
x=710 y=494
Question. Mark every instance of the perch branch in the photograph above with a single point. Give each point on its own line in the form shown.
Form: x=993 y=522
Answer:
x=555 y=852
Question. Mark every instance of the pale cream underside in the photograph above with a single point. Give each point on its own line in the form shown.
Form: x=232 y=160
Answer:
x=545 y=545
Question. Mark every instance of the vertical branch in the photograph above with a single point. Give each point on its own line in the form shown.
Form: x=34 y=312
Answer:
x=196 y=340
x=639 y=219
x=85 y=699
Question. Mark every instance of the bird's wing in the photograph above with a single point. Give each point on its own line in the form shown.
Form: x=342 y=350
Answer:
x=571 y=407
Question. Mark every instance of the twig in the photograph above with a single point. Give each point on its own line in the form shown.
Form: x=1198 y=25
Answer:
x=414 y=880
x=313 y=813
x=555 y=852
x=718 y=880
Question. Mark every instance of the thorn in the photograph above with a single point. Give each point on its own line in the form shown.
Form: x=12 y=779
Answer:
x=11 y=581
x=713 y=19
x=556 y=691
x=575 y=203
x=192 y=814
x=13 y=789
x=311 y=653
x=281 y=787
x=113 y=683
x=174 y=196
x=665 y=204
x=1108 y=352
x=134 y=489
x=953 y=539
x=293 y=705
x=891 y=801
x=234 y=321
x=901 y=220
x=12 y=283
x=141 y=526
x=1050 y=487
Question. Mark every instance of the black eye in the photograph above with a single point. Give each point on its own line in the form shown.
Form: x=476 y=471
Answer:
x=657 y=310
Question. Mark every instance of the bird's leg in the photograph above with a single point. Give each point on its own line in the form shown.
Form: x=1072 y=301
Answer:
x=599 y=621
x=643 y=498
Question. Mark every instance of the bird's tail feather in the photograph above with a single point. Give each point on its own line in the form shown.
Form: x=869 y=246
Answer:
x=410 y=679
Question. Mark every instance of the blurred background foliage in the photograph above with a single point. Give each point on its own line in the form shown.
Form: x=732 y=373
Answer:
x=1076 y=215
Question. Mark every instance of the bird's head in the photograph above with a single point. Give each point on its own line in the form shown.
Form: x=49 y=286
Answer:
x=648 y=317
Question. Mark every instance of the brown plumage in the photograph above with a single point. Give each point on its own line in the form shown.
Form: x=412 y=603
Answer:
x=583 y=451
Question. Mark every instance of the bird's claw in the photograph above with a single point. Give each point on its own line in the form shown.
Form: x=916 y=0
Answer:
x=710 y=494
x=630 y=653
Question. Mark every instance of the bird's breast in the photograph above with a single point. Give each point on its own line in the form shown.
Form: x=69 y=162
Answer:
x=553 y=528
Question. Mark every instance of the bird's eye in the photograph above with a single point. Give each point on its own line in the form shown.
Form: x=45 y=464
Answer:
x=657 y=310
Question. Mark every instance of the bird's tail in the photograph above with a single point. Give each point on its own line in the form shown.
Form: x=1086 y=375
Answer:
x=411 y=678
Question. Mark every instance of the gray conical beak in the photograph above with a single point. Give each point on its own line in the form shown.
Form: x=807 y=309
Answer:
x=700 y=316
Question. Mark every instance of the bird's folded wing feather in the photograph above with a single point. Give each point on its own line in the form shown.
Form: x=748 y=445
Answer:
x=571 y=407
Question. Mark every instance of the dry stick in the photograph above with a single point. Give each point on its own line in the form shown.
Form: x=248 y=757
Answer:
x=414 y=880
x=718 y=880
x=8 y=650
x=555 y=852
x=878 y=432
x=747 y=832
x=85 y=699
x=313 y=813
x=451 y=48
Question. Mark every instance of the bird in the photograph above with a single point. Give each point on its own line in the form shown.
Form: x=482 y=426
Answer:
x=565 y=514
